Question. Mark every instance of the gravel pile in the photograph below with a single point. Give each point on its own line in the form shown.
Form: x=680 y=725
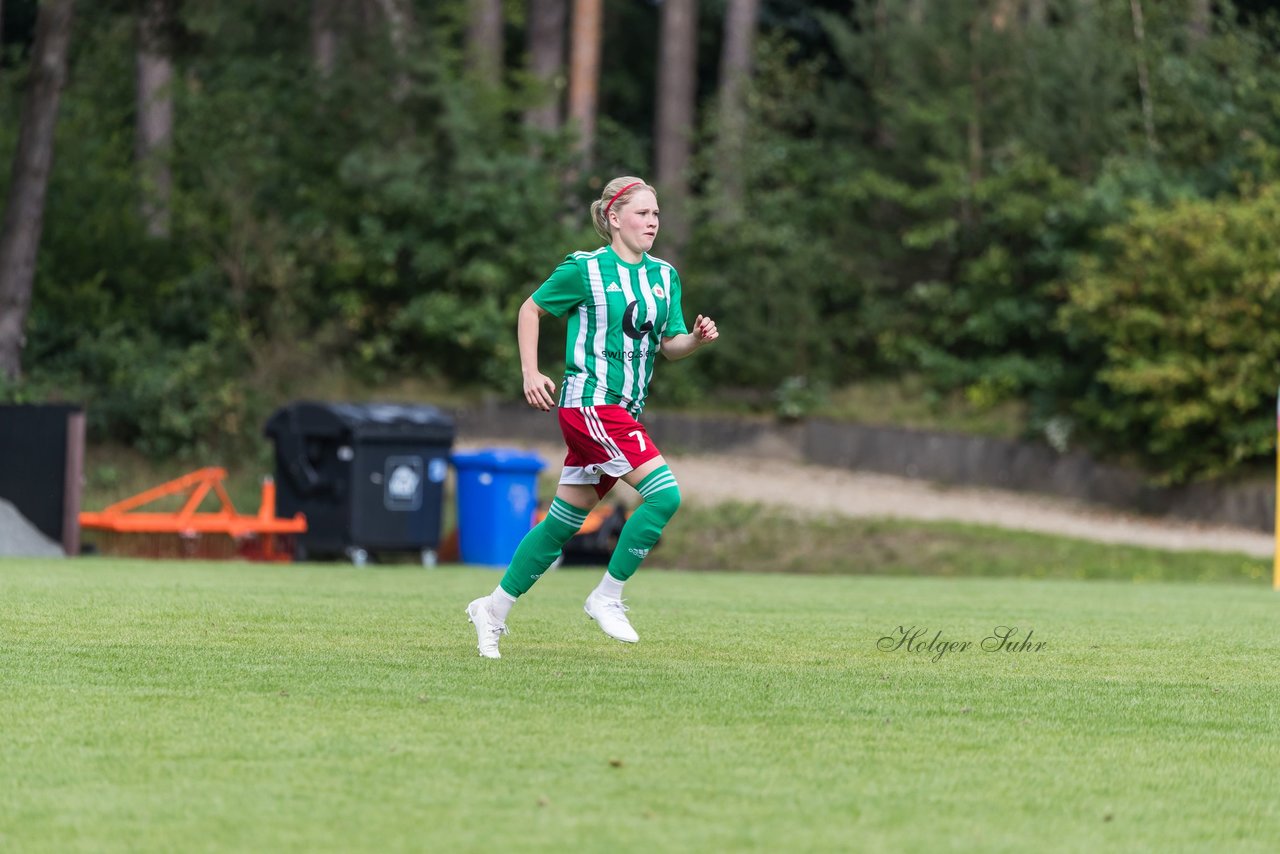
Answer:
x=19 y=538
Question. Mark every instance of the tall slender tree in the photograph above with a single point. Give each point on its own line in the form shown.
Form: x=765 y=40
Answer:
x=973 y=125
x=1144 y=77
x=154 y=131
x=584 y=71
x=400 y=23
x=1200 y=20
x=677 y=80
x=879 y=76
x=32 y=161
x=324 y=35
x=735 y=71
x=546 y=61
x=1003 y=14
x=484 y=40
x=1037 y=13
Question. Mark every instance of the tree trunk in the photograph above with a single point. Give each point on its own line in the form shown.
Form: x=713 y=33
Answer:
x=1004 y=15
x=546 y=61
x=484 y=40
x=735 y=71
x=155 y=114
x=677 y=72
x=881 y=81
x=1200 y=21
x=977 y=154
x=1037 y=13
x=324 y=36
x=584 y=71
x=32 y=161
x=1144 y=80
x=398 y=15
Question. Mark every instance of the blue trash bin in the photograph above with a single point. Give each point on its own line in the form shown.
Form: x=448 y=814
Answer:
x=497 y=498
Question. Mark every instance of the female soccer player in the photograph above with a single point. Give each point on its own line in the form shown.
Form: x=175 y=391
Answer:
x=623 y=307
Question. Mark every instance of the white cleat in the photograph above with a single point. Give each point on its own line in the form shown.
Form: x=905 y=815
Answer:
x=488 y=630
x=611 y=614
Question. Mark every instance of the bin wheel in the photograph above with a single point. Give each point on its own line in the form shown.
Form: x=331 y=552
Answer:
x=429 y=558
x=358 y=556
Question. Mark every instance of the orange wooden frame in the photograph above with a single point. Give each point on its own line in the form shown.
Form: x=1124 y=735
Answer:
x=120 y=517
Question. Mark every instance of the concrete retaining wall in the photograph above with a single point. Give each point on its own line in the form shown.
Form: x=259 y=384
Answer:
x=949 y=458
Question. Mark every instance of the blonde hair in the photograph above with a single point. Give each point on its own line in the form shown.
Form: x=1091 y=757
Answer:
x=613 y=197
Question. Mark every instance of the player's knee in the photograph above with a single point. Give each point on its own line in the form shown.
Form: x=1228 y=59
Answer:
x=665 y=502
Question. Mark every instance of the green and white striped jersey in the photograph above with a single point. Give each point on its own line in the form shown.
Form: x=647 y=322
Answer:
x=618 y=314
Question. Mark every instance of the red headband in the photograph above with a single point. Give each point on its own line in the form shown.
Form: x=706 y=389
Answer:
x=619 y=193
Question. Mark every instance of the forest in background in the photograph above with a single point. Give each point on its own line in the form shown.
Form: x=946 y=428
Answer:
x=1071 y=204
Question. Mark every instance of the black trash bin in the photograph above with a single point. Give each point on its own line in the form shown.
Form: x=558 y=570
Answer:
x=369 y=477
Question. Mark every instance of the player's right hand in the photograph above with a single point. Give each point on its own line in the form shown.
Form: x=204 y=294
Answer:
x=540 y=391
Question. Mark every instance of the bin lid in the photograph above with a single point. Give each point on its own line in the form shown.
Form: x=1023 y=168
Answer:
x=361 y=420
x=499 y=459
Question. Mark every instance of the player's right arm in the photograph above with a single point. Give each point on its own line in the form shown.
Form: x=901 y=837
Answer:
x=539 y=389
x=563 y=290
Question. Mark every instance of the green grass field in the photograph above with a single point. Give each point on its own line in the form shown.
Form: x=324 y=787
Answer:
x=199 y=706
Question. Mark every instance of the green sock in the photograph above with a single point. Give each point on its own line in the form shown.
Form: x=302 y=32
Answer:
x=541 y=546
x=661 y=499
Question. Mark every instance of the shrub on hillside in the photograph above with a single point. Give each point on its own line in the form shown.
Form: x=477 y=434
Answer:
x=1178 y=306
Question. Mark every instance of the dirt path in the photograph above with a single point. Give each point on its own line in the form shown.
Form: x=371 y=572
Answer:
x=713 y=478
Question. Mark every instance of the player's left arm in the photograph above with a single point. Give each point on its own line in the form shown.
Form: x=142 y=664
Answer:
x=679 y=346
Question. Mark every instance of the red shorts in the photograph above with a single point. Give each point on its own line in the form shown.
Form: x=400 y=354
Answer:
x=604 y=443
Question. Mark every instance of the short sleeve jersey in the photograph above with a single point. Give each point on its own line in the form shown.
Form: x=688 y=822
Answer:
x=618 y=314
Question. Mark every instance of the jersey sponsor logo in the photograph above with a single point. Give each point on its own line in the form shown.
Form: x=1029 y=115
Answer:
x=613 y=288
x=629 y=318
x=626 y=355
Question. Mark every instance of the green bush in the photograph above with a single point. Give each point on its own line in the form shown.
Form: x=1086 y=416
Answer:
x=1179 y=306
x=163 y=399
